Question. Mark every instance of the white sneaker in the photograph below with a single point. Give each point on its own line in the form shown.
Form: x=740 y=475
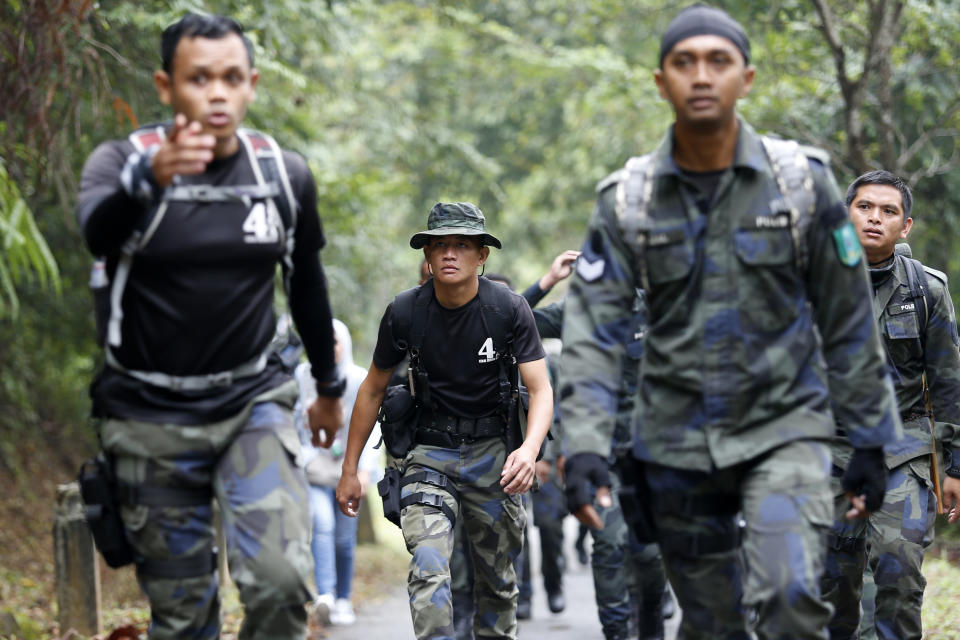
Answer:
x=342 y=613
x=323 y=607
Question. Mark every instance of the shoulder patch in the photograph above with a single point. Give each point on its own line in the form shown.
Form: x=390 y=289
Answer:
x=590 y=271
x=848 y=246
x=611 y=179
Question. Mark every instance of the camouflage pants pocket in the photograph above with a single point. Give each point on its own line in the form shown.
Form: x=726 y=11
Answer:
x=899 y=534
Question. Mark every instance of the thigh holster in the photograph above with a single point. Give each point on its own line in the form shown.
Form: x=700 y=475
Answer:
x=201 y=563
x=437 y=479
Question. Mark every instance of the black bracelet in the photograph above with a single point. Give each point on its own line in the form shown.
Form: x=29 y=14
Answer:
x=332 y=390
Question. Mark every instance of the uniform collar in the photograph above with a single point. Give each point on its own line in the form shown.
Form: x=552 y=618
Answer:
x=748 y=155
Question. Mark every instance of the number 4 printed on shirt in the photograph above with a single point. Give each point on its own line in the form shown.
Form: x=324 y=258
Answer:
x=260 y=226
x=486 y=353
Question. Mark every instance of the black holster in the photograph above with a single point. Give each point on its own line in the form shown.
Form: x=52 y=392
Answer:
x=399 y=415
x=98 y=487
x=635 y=499
x=389 y=490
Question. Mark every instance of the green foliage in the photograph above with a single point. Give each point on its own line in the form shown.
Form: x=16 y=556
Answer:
x=520 y=106
x=25 y=254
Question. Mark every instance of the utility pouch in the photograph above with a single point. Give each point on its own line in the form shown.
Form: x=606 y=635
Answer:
x=399 y=414
x=389 y=490
x=98 y=487
x=635 y=499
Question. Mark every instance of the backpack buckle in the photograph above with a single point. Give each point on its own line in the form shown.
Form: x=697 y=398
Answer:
x=222 y=379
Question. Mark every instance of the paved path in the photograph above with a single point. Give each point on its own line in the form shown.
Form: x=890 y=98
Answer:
x=389 y=619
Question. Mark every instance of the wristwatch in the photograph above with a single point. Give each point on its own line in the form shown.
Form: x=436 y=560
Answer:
x=332 y=390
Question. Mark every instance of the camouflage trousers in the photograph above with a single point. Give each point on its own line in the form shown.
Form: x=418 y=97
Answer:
x=549 y=508
x=461 y=584
x=627 y=576
x=249 y=463
x=769 y=583
x=493 y=523
x=892 y=541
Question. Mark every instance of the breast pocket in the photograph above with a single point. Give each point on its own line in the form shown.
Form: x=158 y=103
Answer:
x=902 y=330
x=770 y=289
x=669 y=255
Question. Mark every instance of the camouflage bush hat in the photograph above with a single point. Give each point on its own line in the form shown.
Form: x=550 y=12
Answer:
x=454 y=218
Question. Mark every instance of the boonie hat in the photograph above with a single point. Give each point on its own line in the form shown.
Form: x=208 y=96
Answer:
x=454 y=218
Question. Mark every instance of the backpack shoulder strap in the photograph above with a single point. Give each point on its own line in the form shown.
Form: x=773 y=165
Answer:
x=266 y=158
x=919 y=292
x=634 y=192
x=496 y=307
x=791 y=168
x=409 y=321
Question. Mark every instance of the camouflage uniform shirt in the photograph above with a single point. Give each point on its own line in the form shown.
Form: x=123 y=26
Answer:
x=732 y=366
x=901 y=330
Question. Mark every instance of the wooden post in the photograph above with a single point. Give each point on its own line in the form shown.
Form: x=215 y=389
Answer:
x=77 y=566
x=365 y=531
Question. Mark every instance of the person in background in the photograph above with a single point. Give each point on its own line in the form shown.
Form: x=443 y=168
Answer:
x=918 y=327
x=334 y=534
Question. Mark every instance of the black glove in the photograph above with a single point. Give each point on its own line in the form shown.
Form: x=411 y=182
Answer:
x=583 y=473
x=866 y=475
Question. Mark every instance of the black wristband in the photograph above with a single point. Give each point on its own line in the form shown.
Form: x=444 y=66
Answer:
x=953 y=468
x=332 y=390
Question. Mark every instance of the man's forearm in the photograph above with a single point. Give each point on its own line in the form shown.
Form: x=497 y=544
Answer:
x=364 y=416
x=539 y=417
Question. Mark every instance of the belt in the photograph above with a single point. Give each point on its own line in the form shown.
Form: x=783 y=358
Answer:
x=461 y=427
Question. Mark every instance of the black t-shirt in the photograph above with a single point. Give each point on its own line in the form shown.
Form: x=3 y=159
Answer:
x=199 y=298
x=455 y=353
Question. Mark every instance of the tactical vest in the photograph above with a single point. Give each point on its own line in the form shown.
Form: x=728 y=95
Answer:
x=273 y=184
x=794 y=179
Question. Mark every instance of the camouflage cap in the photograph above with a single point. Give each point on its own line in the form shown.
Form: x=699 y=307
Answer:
x=454 y=218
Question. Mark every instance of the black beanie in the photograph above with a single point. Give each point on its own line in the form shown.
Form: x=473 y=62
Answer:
x=700 y=20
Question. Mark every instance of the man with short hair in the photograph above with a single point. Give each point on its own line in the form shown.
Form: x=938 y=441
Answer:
x=919 y=330
x=195 y=403
x=759 y=339
x=459 y=466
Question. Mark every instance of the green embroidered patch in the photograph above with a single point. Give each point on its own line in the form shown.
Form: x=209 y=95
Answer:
x=848 y=246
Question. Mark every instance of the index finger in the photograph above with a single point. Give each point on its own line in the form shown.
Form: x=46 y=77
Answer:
x=179 y=124
x=588 y=516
